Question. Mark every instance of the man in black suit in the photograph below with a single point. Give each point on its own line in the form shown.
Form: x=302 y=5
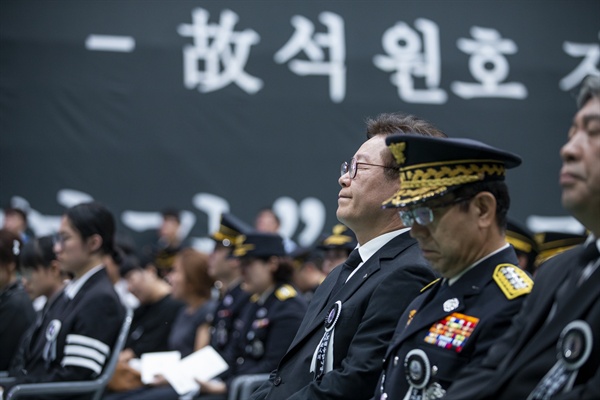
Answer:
x=338 y=349
x=552 y=350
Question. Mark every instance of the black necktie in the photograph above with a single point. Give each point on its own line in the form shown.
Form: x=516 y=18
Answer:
x=347 y=267
x=569 y=286
x=590 y=253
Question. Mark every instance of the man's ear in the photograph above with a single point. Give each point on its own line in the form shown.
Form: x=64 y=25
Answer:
x=94 y=242
x=484 y=204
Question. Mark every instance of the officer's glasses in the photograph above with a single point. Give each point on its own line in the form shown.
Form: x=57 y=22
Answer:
x=351 y=167
x=424 y=215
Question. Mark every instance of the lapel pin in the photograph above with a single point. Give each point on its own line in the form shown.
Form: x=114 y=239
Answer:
x=450 y=305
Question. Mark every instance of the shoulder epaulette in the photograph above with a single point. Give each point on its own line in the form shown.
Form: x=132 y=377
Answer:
x=512 y=280
x=430 y=284
x=285 y=292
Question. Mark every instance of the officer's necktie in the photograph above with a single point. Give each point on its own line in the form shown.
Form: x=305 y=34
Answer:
x=347 y=267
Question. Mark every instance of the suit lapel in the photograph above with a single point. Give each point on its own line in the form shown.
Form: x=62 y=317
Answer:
x=316 y=313
x=575 y=308
x=317 y=304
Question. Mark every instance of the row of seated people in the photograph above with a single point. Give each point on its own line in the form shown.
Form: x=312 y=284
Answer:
x=180 y=313
x=250 y=328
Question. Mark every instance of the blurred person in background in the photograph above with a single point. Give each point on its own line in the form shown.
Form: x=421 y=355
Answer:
x=272 y=317
x=168 y=244
x=87 y=316
x=190 y=331
x=308 y=270
x=15 y=221
x=43 y=280
x=267 y=221
x=16 y=310
x=336 y=247
x=113 y=263
x=151 y=324
x=42 y=275
x=226 y=271
x=552 y=243
x=522 y=240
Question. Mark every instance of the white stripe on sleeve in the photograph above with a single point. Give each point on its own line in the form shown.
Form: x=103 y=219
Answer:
x=89 y=342
x=81 y=362
x=73 y=350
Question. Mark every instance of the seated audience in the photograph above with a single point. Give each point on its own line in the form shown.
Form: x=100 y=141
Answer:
x=226 y=270
x=190 y=331
x=151 y=324
x=16 y=311
x=87 y=316
x=273 y=316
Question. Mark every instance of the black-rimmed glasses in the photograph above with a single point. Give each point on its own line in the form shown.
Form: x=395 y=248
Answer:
x=351 y=167
x=424 y=215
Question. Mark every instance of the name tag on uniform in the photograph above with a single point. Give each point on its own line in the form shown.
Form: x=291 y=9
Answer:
x=452 y=332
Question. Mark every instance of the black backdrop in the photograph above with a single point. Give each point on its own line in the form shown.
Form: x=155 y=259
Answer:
x=80 y=121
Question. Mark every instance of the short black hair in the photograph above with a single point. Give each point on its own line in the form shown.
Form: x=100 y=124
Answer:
x=38 y=252
x=94 y=219
x=394 y=123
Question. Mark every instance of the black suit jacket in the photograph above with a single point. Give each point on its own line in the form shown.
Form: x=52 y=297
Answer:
x=521 y=358
x=372 y=301
x=476 y=301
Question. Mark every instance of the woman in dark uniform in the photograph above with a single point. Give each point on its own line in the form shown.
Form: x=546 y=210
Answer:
x=272 y=317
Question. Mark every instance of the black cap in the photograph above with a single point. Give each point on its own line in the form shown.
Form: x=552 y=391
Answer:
x=520 y=238
x=259 y=244
x=341 y=237
x=552 y=243
x=230 y=228
x=431 y=167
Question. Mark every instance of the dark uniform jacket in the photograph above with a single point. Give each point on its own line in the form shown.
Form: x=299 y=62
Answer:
x=226 y=324
x=453 y=326
x=523 y=356
x=152 y=324
x=16 y=316
x=74 y=339
x=372 y=300
x=269 y=326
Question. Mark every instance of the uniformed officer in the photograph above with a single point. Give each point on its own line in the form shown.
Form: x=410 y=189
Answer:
x=336 y=246
x=453 y=196
x=225 y=269
x=552 y=243
x=522 y=240
x=274 y=313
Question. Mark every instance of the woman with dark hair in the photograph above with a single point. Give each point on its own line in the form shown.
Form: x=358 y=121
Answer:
x=73 y=339
x=15 y=305
x=271 y=318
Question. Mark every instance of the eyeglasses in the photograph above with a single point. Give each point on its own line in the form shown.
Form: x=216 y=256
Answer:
x=351 y=167
x=58 y=239
x=424 y=215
